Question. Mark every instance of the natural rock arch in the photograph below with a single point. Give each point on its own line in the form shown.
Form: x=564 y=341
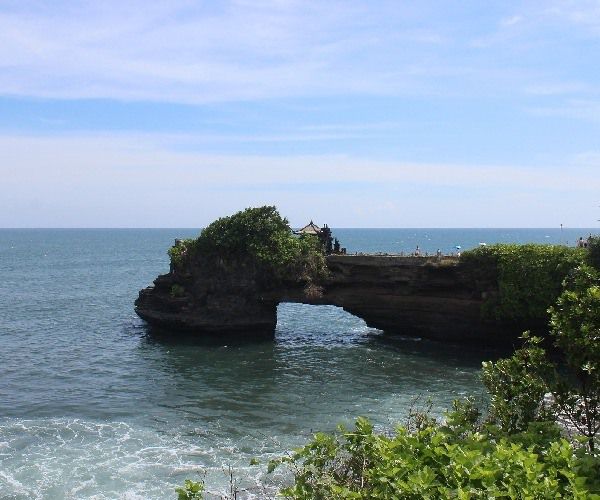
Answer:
x=420 y=296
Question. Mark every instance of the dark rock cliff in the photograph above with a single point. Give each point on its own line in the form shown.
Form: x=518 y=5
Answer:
x=212 y=297
x=415 y=296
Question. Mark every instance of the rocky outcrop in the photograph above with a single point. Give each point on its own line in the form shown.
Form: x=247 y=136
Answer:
x=210 y=297
x=414 y=296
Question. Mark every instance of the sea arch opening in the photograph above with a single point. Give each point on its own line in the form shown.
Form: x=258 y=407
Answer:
x=328 y=323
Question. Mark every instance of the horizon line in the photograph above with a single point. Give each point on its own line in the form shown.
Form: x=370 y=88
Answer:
x=66 y=228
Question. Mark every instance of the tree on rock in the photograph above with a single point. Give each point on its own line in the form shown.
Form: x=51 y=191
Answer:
x=259 y=238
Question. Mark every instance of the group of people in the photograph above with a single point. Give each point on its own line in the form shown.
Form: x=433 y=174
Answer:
x=581 y=243
x=438 y=253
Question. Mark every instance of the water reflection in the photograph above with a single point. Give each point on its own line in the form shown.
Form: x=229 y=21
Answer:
x=467 y=355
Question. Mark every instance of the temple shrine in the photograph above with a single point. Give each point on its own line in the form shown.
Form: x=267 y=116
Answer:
x=330 y=244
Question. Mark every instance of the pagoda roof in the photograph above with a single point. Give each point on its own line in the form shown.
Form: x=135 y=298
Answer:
x=310 y=228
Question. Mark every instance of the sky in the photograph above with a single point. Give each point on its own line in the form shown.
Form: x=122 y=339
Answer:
x=351 y=113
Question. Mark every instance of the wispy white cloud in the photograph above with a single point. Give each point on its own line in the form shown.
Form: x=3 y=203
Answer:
x=560 y=88
x=143 y=180
x=150 y=156
x=188 y=52
x=511 y=21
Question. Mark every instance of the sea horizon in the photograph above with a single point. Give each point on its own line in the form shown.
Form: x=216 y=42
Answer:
x=332 y=227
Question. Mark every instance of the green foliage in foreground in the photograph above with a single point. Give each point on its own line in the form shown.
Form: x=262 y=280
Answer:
x=529 y=277
x=440 y=461
x=192 y=490
x=261 y=238
x=517 y=386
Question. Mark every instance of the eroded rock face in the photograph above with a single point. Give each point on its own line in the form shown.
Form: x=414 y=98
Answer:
x=413 y=296
x=416 y=296
x=213 y=297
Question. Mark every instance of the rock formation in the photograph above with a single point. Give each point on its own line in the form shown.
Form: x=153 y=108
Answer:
x=213 y=297
x=413 y=296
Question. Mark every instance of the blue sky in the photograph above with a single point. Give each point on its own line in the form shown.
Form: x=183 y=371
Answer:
x=358 y=114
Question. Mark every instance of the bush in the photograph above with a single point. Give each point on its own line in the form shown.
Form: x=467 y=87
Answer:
x=517 y=386
x=180 y=251
x=593 y=258
x=528 y=277
x=575 y=323
x=435 y=462
x=262 y=239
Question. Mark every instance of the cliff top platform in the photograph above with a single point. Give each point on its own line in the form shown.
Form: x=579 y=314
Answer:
x=395 y=259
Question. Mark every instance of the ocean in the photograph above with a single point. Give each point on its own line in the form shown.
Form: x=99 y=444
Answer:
x=93 y=406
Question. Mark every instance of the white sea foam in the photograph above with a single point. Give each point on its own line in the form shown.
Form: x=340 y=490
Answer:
x=78 y=459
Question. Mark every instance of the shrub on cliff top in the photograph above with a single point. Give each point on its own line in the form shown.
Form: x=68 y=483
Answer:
x=262 y=237
x=529 y=277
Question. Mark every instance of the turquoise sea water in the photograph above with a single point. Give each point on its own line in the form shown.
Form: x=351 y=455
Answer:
x=92 y=406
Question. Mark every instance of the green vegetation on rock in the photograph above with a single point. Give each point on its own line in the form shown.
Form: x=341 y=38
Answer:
x=529 y=277
x=261 y=238
x=181 y=251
